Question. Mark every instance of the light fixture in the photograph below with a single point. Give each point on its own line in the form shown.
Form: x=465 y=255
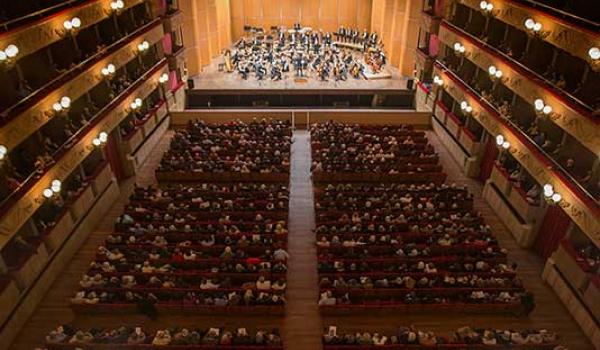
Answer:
x=143 y=46
x=548 y=190
x=10 y=52
x=117 y=5
x=136 y=104
x=64 y=103
x=594 y=53
x=499 y=140
x=72 y=24
x=486 y=6
x=541 y=107
x=56 y=185
x=506 y=145
x=3 y=151
x=48 y=193
x=465 y=107
x=495 y=72
x=101 y=139
x=438 y=81
x=163 y=78
x=109 y=70
x=535 y=28
x=459 y=48
x=551 y=196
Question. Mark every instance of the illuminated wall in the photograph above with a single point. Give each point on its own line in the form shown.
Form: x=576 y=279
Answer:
x=319 y=14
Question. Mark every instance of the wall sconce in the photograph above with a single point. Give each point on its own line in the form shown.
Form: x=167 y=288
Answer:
x=163 y=78
x=535 y=28
x=109 y=70
x=54 y=188
x=136 y=104
x=117 y=5
x=487 y=7
x=541 y=107
x=459 y=48
x=101 y=139
x=62 y=105
x=71 y=26
x=495 y=73
x=7 y=55
x=464 y=106
x=551 y=196
x=594 y=53
x=501 y=142
x=3 y=152
x=143 y=46
x=438 y=81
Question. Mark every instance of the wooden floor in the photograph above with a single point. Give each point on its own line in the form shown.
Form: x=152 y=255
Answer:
x=301 y=327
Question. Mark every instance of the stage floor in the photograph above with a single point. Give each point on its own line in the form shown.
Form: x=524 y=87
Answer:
x=212 y=79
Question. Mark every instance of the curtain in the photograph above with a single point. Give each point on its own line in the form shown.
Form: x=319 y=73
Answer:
x=111 y=153
x=488 y=159
x=168 y=44
x=434 y=45
x=552 y=231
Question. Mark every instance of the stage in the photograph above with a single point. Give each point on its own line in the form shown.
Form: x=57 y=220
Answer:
x=219 y=89
x=212 y=79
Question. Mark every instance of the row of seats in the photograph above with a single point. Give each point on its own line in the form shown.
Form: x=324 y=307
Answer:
x=66 y=337
x=196 y=246
x=462 y=338
x=343 y=152
x=406 y=244
x=204 y=150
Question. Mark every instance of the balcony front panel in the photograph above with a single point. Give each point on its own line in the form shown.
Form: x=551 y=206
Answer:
x=33 y=37
x=429 y=23
x=173 y=22
x=581 y=209
x=113 y=115
x=576 y=122
x=25 y=124
x=567 y=36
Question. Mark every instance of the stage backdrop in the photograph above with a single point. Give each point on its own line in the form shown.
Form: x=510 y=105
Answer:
x=318 y=14
x=206 y=31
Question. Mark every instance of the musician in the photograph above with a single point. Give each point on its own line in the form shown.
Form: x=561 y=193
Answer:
x=365 y=40
x=355 y=36
x=341 y=34
x=275 y=72
x=374 y=39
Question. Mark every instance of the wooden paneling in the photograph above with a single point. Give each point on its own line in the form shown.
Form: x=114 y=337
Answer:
x=318 y=14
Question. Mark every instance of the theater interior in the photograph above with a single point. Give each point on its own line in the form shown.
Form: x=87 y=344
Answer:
x=299 y=174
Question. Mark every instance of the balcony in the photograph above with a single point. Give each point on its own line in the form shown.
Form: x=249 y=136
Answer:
x=33 y=37
x=66 y=59
x=74 y=84
x=18 y=207
x=570 y=115
x=429 y=23
x=577 y=201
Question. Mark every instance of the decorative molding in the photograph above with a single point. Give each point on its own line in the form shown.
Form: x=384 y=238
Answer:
x=585 y=217
x=33 y=37
x=21 y=211
x=25 y=124
x=567 y=118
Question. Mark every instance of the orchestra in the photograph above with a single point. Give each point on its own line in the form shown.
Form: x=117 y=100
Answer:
x=310 y=53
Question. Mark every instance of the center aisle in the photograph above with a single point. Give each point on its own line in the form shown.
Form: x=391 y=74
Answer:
x=302 y=325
